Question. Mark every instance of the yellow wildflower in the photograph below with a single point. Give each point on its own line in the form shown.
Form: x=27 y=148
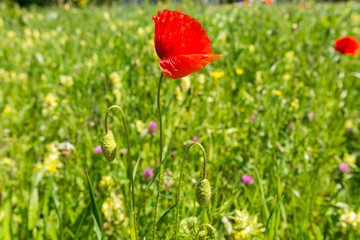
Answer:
x=278 y=92
x=236 y=235
x=115 y=77
x=217 y=74
x=350 y=159
x=102 y=182
x=51 y=159
x=243 y=234
x=6 y=161
x=6 y=110
x=51 y=100
x=348 y=219
x=239 y=71
x=52 y=167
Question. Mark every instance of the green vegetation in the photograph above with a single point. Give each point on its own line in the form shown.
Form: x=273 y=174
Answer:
x=280 y=105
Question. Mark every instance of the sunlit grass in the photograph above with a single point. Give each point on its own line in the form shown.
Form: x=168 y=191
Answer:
x=280 y=105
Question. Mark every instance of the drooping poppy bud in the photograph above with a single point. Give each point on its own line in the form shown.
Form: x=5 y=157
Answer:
x=108 y=146
x=203 y=192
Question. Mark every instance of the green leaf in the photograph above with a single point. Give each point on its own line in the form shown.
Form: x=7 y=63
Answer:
x=94 y=208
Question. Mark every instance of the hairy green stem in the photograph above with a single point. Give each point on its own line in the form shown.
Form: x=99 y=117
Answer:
x=160 y=182
x=132 y=216
x=177 y=216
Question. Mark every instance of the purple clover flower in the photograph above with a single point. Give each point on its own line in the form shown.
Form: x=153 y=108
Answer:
x=253 y=118
x=148 y=174
x=167 y=185
x=97 y=149
x=344 y=167
x=247 y=179
x=152 y=128
x=195 y=138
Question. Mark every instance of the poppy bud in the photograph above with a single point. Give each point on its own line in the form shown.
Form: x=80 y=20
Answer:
x=203 y=192
x=108 y=146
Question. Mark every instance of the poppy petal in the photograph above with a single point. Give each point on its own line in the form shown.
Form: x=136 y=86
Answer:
x=179 y=34
x=347 y=45
x=183 y=65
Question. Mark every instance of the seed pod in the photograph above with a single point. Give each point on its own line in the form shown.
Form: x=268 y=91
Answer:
x=108 y=146
x=203 y=192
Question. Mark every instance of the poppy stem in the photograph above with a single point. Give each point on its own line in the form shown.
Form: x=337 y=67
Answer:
x=178 y=194
x=161 y=171
x=132 y=216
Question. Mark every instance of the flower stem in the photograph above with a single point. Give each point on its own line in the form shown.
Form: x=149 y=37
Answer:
x=132 y=216
x=160 y=184
x=177 y=216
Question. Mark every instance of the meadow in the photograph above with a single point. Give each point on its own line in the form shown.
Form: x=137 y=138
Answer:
x=276 y=115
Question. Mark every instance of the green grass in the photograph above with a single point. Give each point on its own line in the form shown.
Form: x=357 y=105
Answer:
x=298 y=191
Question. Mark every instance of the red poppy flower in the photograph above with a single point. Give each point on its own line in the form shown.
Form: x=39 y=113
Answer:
x=347 y=45
x=181 y=43
x=268 y=1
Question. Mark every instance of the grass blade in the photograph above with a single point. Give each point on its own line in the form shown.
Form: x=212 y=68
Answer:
x=262 y=194
x=136 y=166
x=94 y=208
